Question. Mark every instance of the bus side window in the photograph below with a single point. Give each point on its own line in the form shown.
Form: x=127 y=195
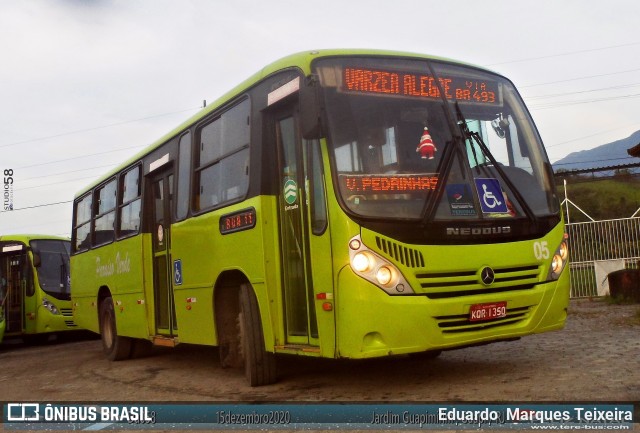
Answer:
x=222 y=172
x=318 y=200
x=184 y=174
x=129 y=207
x=104 y=228
x=82 y=224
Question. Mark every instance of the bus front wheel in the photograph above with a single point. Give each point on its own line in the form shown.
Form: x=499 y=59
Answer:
x=259 y=365
x=115 y=347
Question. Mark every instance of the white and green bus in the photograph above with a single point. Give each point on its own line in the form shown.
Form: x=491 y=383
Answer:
x=338 y=204
x=35 y=297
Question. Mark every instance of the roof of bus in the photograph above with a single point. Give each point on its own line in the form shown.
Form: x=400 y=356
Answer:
x=26 y=238
x=301 y=60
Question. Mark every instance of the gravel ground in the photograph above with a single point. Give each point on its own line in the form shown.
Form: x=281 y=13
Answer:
x=594 y=359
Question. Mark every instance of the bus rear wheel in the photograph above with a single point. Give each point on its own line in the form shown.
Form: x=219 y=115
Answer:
x=115 y=347
x=259 y=365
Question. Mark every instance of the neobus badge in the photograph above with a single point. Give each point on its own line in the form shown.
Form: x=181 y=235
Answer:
x=466 y=231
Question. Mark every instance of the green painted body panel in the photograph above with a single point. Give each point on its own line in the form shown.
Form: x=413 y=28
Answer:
x=123 y=268
x=405 y=324
x=206 y=254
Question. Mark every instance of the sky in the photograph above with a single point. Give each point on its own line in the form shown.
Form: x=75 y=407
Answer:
x=86 y=84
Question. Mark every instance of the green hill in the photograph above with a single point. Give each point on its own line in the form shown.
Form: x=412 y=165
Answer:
x=611 y=198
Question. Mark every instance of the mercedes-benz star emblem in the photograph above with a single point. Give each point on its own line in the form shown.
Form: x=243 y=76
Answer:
x=487 y=276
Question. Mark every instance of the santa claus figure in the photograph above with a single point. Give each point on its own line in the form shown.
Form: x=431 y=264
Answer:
x=426 y=148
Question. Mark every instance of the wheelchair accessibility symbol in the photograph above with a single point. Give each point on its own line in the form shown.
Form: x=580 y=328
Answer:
x=177 y=272
x=491 y=196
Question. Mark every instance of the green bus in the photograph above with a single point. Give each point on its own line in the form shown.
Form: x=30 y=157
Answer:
x=35 y=297
x=338 y=204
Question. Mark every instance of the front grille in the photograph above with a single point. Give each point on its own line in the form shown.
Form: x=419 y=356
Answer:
x=67 y=313
x=438 y=285
x=407 y=256
x=461 y=323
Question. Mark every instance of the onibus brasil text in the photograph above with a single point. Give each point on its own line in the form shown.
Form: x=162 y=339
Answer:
x=51 y=413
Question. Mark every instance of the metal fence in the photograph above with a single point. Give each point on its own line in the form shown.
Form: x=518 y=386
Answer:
x=599 y=247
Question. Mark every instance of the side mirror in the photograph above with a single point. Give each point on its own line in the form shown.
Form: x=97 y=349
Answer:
x=310 y=110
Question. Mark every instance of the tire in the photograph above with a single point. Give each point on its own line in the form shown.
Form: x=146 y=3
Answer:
x=259 y=365
x=227 y=314
x=115 y=347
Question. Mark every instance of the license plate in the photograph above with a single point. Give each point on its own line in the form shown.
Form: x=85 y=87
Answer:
x=495 y=310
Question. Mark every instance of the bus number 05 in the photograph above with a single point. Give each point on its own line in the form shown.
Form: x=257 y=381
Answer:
x=541 y=250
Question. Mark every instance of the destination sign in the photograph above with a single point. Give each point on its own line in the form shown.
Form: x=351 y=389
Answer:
x=455 y=88
x=390 y=184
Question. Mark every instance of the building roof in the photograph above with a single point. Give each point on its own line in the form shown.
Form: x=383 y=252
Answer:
x=634 y=151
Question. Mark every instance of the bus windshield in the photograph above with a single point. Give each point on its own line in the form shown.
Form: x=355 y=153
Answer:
x=53 y=269
x=428 y=141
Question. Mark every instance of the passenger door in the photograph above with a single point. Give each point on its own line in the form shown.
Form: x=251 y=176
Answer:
x=17 y=290
x=160 y=200
x=300 y=241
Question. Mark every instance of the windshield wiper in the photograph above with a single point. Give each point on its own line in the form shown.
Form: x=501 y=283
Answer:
x=468 y=134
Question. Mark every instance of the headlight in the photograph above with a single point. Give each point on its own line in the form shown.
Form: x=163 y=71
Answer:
x=559 y=261
x=375 y=269
x=362 y=262
x=49 y=306
x=564 y=250
x=384 y=275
